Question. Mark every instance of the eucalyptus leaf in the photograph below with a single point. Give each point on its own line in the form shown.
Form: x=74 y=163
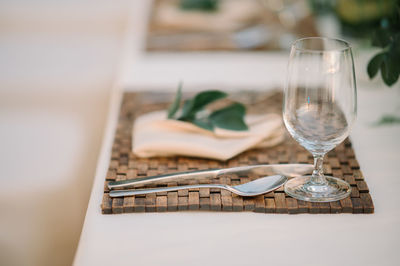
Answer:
x=204 y=123
x=388 y=72
x=230 y=117
x=374 y=65
x=187 y=110
x=394 y=60
x=206 y=97
x=174 y=107
x=201 y=100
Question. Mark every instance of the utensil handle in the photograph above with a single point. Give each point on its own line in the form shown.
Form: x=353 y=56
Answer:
x=132 y=192
x=175 y=177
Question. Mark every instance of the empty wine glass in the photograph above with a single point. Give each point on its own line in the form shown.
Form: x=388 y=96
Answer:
x=320 y=106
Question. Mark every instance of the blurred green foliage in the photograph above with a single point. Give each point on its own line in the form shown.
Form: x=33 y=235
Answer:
x=387 y=120
x=387 y=37
x=202 y=5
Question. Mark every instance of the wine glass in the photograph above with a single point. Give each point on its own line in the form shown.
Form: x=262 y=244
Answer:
x=320 y=106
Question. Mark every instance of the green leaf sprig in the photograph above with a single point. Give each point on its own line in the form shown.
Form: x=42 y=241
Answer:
x=388 y=60
x=194 y=111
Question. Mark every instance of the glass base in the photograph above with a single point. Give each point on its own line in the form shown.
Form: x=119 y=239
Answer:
x=301 y=188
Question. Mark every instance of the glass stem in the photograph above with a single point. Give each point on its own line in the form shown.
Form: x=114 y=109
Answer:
x=318 y=177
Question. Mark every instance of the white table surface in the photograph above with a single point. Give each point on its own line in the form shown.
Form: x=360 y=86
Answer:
x=209 y=238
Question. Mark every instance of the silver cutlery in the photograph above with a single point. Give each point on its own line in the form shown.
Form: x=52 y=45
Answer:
x=249 y=189
x=290 y=170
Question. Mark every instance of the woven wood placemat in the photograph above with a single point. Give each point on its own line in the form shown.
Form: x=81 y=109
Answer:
x=341 y=163
x=164 y=36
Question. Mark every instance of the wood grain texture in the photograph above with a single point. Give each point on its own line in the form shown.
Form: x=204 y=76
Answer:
x=341 y=162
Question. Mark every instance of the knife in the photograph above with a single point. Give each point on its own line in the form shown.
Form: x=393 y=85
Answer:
x=290 y=170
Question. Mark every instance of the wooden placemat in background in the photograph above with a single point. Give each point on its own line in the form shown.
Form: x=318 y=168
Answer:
x=238 y=25
x=341 y=162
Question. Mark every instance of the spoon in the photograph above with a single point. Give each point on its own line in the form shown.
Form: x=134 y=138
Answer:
x=253 y=188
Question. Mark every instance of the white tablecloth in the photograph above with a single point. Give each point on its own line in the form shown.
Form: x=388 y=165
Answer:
x=202 y=238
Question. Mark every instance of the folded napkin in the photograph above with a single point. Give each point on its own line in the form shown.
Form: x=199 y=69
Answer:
x=155 y=135
x=231 y=16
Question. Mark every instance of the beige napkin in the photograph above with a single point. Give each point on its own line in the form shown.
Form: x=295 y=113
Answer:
x=155 y=135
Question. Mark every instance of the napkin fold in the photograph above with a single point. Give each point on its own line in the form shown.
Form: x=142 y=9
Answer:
x=155 y=135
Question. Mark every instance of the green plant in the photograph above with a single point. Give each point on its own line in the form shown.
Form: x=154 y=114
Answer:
x=203 y=5
x=194 y=111
x=387 y=37
x=388 y=119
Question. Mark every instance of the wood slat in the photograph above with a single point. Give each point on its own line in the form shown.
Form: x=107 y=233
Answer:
x=259 y=204
x=117 y=205
x=269 y=205
x=106 y=204
x=215 y=201
x=353 y=164
x=358 y=175
x=335 y=207
x=183 y=203
x=314 y=207
x=334 y=163
x=150 y=202
x=161 y=203
x=172 y=204
x=183 y=192
x=367 y=203
x=205 y=204
x=292 y=205
x=204 y=193
x=140 y=204
x=350 y=179
x=280 y=203
x=237 y=204
x=362 y=186
x=111 y=175
x=226 y=202
x=357 y=205
x=354 y=192
x=194 y=201
x=324 y=207
x=347 y=205
x=248 y=204
x=129 y=204
x=303 y=206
